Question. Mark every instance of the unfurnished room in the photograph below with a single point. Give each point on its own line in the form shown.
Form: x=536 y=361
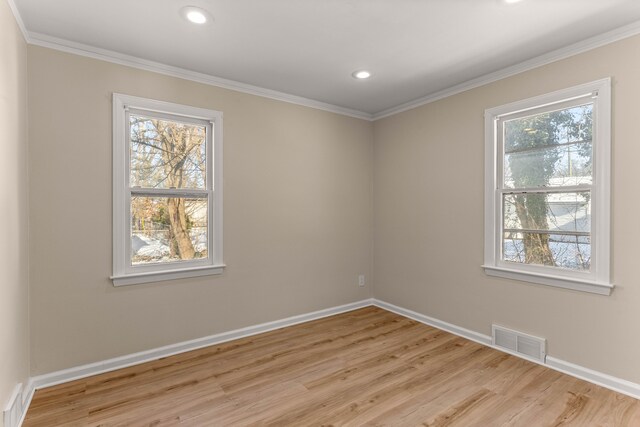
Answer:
x=320 y=213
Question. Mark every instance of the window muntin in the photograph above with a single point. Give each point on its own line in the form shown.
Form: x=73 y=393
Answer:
x=167 y=214
x=547 y=189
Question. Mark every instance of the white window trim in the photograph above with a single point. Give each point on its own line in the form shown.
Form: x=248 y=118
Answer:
x=123 y=272
x=598 y=279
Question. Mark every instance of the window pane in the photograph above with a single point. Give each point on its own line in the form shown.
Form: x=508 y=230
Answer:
x=167 y=154
x=568 y=212
x=568 y=164
x=557 y=250
x=549 y=149
x=167 y=229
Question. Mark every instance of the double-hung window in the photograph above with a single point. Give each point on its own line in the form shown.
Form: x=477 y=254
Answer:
x=167 y=201
x=547 y=178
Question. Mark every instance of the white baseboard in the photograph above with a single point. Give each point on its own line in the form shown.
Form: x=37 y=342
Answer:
x=15 y=409
x=27 y=396
x=53 y=378
x=595 y=377
x=436 y=323
x=58 y=377
x=612 y=383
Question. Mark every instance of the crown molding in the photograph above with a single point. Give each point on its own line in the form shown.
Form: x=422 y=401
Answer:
x=143 y=64
x=18 y=18
x=553 y=56
x=68 y=46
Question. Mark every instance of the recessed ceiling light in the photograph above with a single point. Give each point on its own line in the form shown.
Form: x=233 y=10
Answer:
x=361 y=74
x=511 y=1
x=195 y=14
x=196 y=17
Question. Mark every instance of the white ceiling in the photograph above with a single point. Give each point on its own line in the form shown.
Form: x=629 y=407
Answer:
x=309 y=48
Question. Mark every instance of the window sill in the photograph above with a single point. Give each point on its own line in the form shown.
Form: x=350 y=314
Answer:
x=159 y=276
x=550 y=280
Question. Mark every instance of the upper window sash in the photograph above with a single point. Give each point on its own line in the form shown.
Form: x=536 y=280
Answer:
x=149 y=114
x=549 y=107
x=500 y=121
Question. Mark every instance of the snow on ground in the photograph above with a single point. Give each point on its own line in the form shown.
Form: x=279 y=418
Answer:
x=157 y=248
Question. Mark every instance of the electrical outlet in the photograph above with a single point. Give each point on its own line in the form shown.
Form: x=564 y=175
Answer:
x=361 y=280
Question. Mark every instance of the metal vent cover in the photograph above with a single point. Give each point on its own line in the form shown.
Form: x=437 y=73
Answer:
x=519 y=343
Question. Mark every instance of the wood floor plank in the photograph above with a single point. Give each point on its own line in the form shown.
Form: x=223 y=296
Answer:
x=366 y=367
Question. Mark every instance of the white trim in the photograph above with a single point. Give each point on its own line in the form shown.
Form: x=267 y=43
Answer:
x=38 y=39
x=597 y=279
x=75 y=48
x=81 y=49
x=27 y=397
x=436 y=323
x=601 y=232
x=19 y=21
x=160 y=276
x=83 y=371
x=551 y=98
x=591 y=43
x=217 y=186
x=16 y=408
x=605 y=380
x=14 y=412
x=550 y=280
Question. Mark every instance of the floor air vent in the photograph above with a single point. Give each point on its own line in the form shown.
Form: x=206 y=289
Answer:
x=519 y=343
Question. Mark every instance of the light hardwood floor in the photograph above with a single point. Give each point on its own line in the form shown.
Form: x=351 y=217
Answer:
x=365 y=367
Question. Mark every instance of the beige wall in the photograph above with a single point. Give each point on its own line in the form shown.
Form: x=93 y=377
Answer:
x=297 y=215
x=428 y=192
x=14 y=286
